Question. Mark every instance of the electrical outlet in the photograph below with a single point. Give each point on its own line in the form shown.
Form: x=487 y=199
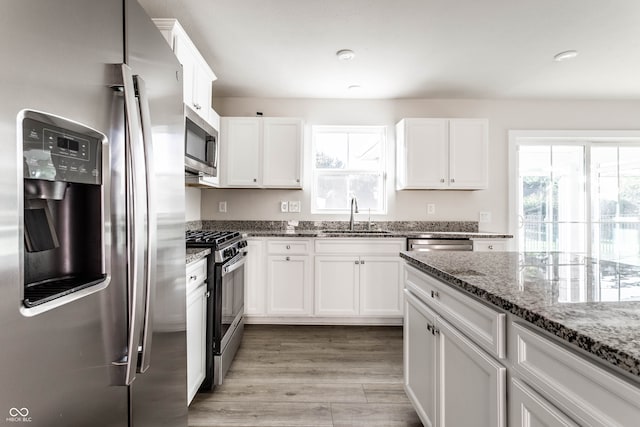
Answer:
x=431 y=208
x=484 y=217
x=294 y=206
x=284 y=206
x=222 y=206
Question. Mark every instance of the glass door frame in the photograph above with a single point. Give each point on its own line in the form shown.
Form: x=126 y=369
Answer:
x=585 y=139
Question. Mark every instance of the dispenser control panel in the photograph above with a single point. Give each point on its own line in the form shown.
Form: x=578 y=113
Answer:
x=56 y=154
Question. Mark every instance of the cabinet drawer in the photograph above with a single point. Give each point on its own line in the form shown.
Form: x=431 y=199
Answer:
x=299 y=247
x=360 y=246
x=490 y=245
x=484 y=325
x=196 y=273
x=526 y=407
x=579 y=387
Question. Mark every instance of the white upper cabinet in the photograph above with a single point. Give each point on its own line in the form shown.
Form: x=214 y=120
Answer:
x=263 y=152
x=198 y=76
x=437 y=154
x=240 y=148
x=282 y=151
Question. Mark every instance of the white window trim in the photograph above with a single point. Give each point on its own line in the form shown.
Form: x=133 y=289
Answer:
x=566 y=137
x=340 y=129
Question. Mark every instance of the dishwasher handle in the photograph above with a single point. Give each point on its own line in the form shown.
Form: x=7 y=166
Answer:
x=428 y=245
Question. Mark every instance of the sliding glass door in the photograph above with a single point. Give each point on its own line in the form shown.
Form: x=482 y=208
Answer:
x=575 y=196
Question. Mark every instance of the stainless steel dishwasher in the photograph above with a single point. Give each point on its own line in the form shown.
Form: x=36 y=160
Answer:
x=429 y=243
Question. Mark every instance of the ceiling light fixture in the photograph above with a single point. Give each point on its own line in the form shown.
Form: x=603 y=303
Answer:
x=566 y=55
x=354 y=88
x=345 y=54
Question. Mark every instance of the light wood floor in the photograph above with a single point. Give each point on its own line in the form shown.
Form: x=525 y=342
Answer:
x=311 y=376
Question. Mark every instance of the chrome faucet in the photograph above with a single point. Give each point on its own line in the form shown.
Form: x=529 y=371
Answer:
x=354 y=204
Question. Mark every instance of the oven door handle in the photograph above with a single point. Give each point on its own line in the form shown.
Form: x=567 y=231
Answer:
x=234 y=264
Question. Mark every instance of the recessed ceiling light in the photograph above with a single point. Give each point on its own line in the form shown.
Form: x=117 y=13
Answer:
x=345 y=54
x=354 y=88
x=566 y=55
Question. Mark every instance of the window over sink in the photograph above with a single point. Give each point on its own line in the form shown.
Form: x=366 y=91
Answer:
x=348 y=161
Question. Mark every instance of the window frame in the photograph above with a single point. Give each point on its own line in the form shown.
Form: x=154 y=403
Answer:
x=586 y=139
x=373 y=129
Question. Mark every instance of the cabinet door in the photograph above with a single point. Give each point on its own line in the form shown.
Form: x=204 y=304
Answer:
x=336 y=285
x=420 y=359
x=282 y=151
x=528 y=409
x=184 y=53
x=202 y=82
x=380 y=286
x=425 y=156
x=468 y=153
x=288 y=285
x=196 y=339
x=469 y=377
x=255 y=287
x=241 y=139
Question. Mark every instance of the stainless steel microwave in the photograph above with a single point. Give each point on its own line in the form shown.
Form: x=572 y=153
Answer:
x=200 y=145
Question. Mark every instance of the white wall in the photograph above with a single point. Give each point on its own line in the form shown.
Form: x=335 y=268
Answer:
x=246 y=204
x=193 y=202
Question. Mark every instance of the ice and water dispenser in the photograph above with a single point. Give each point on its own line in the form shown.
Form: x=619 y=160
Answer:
x=64 y=208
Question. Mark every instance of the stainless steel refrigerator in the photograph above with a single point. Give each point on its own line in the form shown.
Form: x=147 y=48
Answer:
x=92 y=271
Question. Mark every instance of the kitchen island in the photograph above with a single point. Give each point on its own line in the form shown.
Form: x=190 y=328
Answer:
x=559 y=331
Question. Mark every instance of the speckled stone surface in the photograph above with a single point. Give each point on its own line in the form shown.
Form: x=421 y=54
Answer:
x=194 y=254
x=389 y=229
x=422 y=226
x=193 y=225
x=592 y=304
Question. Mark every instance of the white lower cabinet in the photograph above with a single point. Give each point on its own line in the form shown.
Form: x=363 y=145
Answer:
x=289 y=286
x=196 y=326
x=357 y=286
x=348 y=282
x=586 y=392
x=528 y=409
x=337 y=285
x=450 y=380
x=255 y=284
x=334 y=280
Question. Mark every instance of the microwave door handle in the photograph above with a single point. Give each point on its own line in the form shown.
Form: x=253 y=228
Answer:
x=211 y=151
x=216 y=153
x=151 y=235
x=135 y=250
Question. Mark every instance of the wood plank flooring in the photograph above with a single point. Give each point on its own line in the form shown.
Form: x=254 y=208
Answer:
x=338 y=376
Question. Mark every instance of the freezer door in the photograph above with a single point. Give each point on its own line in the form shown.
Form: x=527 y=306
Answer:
x=159 y=394
x=56 y=367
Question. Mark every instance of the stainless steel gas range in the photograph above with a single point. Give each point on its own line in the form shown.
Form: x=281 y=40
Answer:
x=225 y=306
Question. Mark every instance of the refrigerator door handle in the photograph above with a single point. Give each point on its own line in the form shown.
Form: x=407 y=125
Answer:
x=135 y=221
x=150 y=267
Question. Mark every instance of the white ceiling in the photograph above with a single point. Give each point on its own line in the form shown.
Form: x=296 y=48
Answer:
x=415 y=48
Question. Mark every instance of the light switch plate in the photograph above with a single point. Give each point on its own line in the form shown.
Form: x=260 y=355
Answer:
x=431 y=208
x=222 y=206
x=484 y=217
x=294 y=206
x=284 y=206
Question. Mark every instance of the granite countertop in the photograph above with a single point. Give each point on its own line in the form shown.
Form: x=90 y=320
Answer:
x=194 y=254
x=592 y=304
x=369 y=234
